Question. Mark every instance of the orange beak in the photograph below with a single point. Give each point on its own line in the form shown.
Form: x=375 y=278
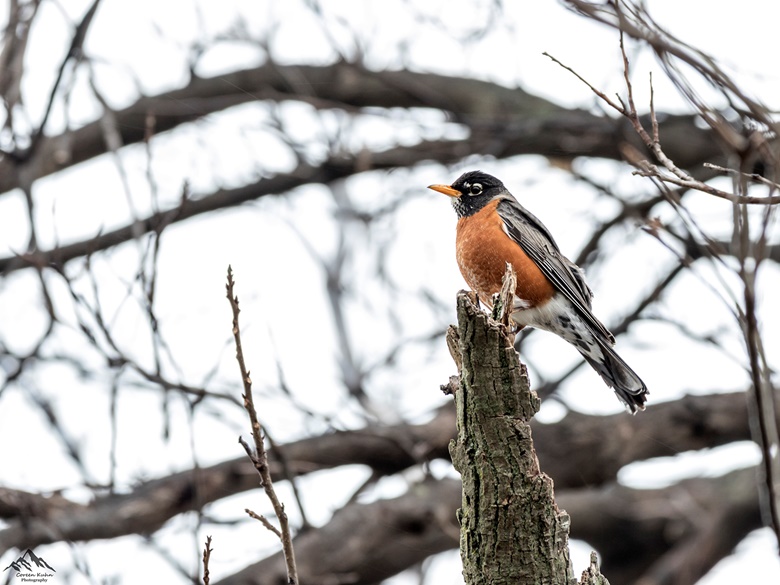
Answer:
x=446 y=189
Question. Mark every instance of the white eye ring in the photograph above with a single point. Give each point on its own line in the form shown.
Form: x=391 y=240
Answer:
x=475 y=189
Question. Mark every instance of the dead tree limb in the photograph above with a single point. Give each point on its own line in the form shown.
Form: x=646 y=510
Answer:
x=512 y=531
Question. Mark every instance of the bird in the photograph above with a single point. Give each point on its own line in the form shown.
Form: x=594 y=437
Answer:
x=495 y=229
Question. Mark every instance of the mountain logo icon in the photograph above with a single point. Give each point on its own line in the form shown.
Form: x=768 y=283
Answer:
x=28 y=562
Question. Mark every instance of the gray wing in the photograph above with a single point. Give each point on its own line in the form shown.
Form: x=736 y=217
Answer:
x=536 y=241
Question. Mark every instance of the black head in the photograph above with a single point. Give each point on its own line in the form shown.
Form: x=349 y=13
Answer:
x=471 y=191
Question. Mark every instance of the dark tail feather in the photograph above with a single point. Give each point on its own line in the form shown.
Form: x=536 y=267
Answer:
x=629 y=387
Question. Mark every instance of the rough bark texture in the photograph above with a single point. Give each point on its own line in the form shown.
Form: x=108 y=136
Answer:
x=511 y=529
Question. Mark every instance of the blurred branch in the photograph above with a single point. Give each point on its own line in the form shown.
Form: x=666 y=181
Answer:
x=670 y=535
x=580 y=450
x=221 y=199
x=92 y=323
x=639 y=533
x=12 y=55
x=754 y=177
x=326 y=172
x=75 y=53
x=503 y=121
x=363 y=544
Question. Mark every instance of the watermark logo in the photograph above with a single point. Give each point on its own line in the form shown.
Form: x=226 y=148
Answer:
x=30 y=568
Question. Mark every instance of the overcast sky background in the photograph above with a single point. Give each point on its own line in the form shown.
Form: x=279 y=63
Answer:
x=144 y=46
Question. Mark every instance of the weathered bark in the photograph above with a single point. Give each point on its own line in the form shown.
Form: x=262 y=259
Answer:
x=511 y=528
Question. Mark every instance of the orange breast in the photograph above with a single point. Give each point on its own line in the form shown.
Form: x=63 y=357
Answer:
x=483 y=248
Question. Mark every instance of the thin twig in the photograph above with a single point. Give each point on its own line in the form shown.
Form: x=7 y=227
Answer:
x=673 y=174
x=650 y=170
x=206 y=558
x=259 y=457
x=598 y=92
x=75 y=52
x=264 y=521
x=765 y=416
x=755 y=177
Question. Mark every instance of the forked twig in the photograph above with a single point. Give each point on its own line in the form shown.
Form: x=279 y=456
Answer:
x=668 y=171
x=259 y=456
x=264 y=521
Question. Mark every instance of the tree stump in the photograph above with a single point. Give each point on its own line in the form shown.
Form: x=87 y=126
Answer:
x=511 y=529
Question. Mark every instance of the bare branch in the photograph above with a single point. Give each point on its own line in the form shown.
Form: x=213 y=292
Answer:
x=671 y=173
x=593 y=459
x=260 y=458
x=264 y=521
x=206 y=558
x=75 y=52
x=755 y=177
x=619 y=108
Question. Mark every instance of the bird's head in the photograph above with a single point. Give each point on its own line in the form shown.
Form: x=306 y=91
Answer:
x=471 y=191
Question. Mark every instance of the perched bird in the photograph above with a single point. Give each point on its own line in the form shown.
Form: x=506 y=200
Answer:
x=551 y=294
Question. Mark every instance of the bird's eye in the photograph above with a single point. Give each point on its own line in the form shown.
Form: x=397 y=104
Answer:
x=475 y=189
